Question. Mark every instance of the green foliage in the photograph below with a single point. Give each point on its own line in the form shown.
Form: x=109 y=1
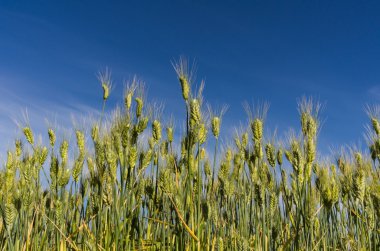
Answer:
x=130 y=189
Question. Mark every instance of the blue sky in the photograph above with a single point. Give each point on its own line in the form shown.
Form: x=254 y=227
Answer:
x=275 y=51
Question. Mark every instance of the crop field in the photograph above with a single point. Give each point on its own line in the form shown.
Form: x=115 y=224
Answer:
x=134 y=182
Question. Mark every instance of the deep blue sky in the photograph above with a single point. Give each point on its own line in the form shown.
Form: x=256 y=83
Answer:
x=275 y=51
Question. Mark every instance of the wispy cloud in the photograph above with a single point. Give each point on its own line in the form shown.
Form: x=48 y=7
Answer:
x=374 y=91
x=19 y=109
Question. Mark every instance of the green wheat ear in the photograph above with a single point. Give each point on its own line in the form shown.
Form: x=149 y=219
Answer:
x=195 y=113
x=63 y=150
x=9 y=215
x=156 y=130
x=185 y=87
x=106 y=83
x=133 y=189
x=128 y=100
x=279 y=156
x=169 y=134
x=28 y=135
x=202 y=133
x=375 y=125
x=106 y=91
x=51 y=137
x=270 y=153
x=132 y=157
x=18 y=146
x=184 y=74
x=78 y=165
x=43 y=155
x=257 y=129
x=139 y=106
x=215 y=126
x=359 y=185
x=80 y=141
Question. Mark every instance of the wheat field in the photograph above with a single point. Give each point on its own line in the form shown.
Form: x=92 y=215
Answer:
x=134 y=182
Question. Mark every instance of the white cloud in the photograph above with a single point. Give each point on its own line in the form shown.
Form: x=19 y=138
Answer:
x=374 y=91
x=18 y=109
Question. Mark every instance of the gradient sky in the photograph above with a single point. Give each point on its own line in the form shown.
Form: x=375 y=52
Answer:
x=275 y=51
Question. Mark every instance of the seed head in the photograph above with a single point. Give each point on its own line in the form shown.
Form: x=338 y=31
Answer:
x=80 y=141
x=375 y=125
x=312 y=127
x=237 y=142
x=257 y=130
x=164 y=149
x=132 y=157
x=273 y=204
x=10 y=214
x=308 y=125
x=207 y=168
x=220 y=244
x=185 y=76
x=270 y=152
x=185 y=87
x=106 y=91
x=18 y=145
x=125 y=134
x=128 y=100
x=258 y=151
x=156 y=130
x=215 y=126
x=53 y=167
x=77 y=168
x=143 y=123
x=310 y=150
x=169 y=133
x=284 y=177
x=237 y=160
x=279 y=156
x=202 y=153
x=95 y=133
x=63 y=151
x=316 y=225
x=28 y=135
x=165 y=181
x=51 y=137
x=195 y=113
x=294 y=156
x=10 y=160
x=43 y=155
x=147 y=158
x=373 y=152
x=64 y=177
x=139 y=106
x=202 y=133
x=151 y=143
x=359 y=184
x=105 y=81
x=91 y=165
x=358 y=159
x=244 y=140
x=309 y=111
x=304 y=121
x=229 y=155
